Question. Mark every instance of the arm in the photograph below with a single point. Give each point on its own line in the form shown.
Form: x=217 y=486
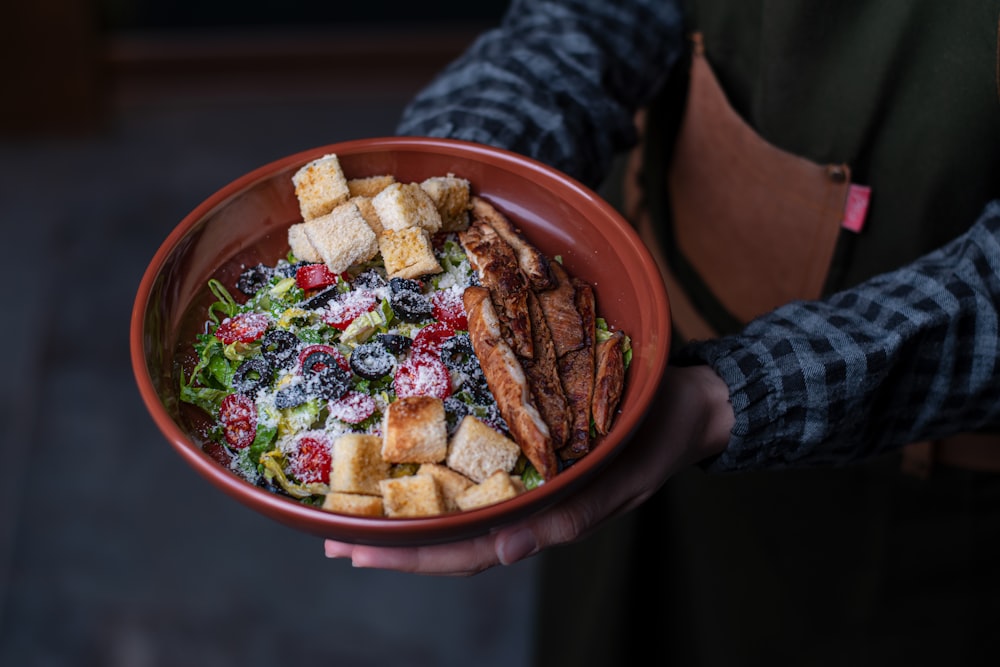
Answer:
x=909 y=355
x=558 y=80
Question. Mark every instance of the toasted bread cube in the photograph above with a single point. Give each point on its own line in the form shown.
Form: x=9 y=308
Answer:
x=415 y=431
x=494 y=489
x=408 y=253
x=477 y=450
x=301 y=246
x=451 y=483
x=403 y=205
x=452 y=196
x=320 y=186
x=342 y=237
x=357 y=464
x=353 y=503
x=412 y=495
x=518 y=483
x=369 y=186
x=369 y=213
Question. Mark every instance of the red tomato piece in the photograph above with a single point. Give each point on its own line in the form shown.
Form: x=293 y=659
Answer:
x=450 y=309
x=218 y=453
x=353 y=407
x=311 y=460
x=428 y=340
x=329 y=349
x=238 y=416
x=243 y=327
x=422 y=375
x=314 y=276
x=340 y=312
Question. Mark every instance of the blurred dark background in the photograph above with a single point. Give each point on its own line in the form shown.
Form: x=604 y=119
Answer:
x=117 y=119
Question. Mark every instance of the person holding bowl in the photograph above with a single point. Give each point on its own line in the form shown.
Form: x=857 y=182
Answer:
x=818 y=483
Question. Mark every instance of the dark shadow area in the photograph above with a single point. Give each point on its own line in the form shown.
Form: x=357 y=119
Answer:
x=112 y=551
x=150 y=14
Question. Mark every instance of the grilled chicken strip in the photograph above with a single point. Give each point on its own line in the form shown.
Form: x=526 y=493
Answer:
x=561 y=312
x=533 y=263
x=495 y=264
x=608 y=381
x=576 y=371
x=543 y=376
x=508 y=382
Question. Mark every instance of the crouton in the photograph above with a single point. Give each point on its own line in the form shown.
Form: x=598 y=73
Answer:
x=320 y=186
x=408 y=253
x=369 y=186
x=342 y=237
x=403 y=205
x=494 y=489
x=477 y=450
x=357 y=464
x=353 y=503
x=518 y=483
x=300 y=244
x=452 y=196
x=412 y=495
x=451 y=483
x=415 y=430
x=368 y=212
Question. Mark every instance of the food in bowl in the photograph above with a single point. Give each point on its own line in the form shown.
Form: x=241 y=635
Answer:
x=412 y=355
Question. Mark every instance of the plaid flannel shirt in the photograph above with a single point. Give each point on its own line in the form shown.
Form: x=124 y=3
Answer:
x=906 y=356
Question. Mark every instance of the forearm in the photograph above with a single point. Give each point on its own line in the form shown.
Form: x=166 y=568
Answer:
x=559 y=81
x=907 y=356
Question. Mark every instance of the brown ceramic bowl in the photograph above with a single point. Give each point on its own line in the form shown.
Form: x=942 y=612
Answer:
x=245 y=223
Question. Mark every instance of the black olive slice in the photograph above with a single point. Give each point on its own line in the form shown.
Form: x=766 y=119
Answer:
x=290 y=397
x=330 y=382
x=253 y=375
x=369 y=279
x=372 y=360
x=395 y=343
x=254 y=278
x=321 y=299
x=317 y=360
x=455 y=410
x=279 y=347
x=403 y=285
x=480 y=391
x=411 y=306
x=456 y=353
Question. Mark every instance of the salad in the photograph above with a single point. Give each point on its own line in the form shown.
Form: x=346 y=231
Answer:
x=304 y=356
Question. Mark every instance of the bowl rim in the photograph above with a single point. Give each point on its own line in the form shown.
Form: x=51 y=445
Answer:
x=391 y=530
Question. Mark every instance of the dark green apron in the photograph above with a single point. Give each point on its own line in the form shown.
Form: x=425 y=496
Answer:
x=905 y=93
x=855 y=566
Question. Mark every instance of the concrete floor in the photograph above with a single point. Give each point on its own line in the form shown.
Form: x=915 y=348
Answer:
x=112 y=551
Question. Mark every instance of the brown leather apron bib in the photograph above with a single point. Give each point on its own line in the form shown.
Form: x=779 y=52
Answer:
x=759 y=226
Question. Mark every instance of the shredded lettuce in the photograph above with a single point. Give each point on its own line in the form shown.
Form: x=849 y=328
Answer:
x=273 y=467
x=224 y=304
x=531 y=478
x=603 y=332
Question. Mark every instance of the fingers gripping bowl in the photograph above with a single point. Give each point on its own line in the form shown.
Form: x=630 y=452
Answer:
x=246 y=223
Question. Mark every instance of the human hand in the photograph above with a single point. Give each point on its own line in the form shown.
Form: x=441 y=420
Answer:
x=690 y=421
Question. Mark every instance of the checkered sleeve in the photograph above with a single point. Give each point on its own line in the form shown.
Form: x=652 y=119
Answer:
x=909 y=355
x=557 y=80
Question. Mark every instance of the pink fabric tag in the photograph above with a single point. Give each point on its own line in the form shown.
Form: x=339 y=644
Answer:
x=856 y=208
